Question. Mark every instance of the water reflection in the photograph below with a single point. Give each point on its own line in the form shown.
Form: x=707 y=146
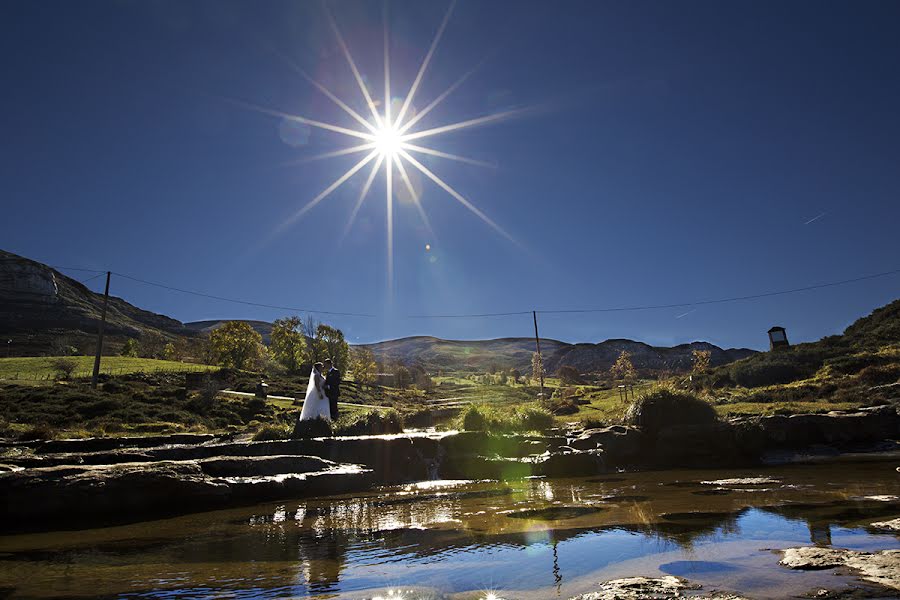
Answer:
x=539 y=537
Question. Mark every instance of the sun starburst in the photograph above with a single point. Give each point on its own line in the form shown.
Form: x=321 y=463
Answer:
x=387 y=138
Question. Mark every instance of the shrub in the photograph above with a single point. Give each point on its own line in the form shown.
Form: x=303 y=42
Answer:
x=481 y=417
x=663 y=407
x=854 y=363
x=373 y=422
x=271 y=432
x=534 y=418
x=473 y=418
x=37 y=433
x=64 y=366
x=561 y=405
x=312 y=428
x=757 y=373
x=568 y=374
x=880 y=375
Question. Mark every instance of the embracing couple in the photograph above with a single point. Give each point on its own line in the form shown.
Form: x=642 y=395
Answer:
x=322 y=393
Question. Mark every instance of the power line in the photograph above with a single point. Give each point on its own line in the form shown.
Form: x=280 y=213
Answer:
x=502 y=314
x=84 y=281
x=676 y=305
x=76 y=269
x=245 y=302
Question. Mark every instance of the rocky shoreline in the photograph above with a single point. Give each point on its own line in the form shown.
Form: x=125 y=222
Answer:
x=130 y=479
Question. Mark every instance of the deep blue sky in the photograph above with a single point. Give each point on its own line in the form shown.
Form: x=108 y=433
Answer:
x=679 y=150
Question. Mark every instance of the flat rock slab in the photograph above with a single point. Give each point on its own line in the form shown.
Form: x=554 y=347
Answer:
x=878 y=567
x=41 y=498
x=893 y=525
x=646 y=588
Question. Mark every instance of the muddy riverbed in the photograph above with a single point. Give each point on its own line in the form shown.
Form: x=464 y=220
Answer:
x=528 y=539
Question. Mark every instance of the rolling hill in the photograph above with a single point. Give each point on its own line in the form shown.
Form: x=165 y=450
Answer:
x=40 y=305
x=505 y=353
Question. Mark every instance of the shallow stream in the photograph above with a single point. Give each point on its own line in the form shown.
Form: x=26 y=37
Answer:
x=529 y=539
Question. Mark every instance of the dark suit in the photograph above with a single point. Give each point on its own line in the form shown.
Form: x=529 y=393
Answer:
x=333 y=391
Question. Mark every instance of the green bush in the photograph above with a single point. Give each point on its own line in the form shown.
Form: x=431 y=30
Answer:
x=534 y=418
x=756 y=373
x=482 y=417
x=372 y=422
x=473 y=418
x=559 y=405
x=854 y=363
x=880 y=375
x=312 y=428
x=663 y=407
x=37 y=433
x=271 y=432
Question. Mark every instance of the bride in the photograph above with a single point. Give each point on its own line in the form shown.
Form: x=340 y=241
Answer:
x=315 y=405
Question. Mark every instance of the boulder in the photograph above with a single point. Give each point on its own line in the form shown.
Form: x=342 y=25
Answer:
x=881 y=567
x=570 y=463
x=620 y=444
x=865 y=425
x=257 y=466
x=135 y=489
x=892 y=525
x=702 y=445
x=646 y=588
x=77 y=494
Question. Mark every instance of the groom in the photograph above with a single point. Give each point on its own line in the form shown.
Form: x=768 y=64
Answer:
x=332 y=387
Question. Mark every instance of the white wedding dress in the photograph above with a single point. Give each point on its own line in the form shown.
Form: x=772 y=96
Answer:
x=315 y=405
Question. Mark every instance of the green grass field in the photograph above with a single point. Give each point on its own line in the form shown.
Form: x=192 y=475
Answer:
x=41 y=368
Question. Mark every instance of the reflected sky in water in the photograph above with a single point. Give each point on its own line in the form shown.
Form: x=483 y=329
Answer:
x=456 y=539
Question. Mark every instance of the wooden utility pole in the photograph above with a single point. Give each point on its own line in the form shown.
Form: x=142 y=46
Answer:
x=537 y=342
x=96 y=374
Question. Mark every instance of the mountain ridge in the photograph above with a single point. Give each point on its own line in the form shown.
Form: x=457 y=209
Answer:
x=39 y=304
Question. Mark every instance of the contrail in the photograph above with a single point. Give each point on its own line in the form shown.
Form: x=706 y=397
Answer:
x=686 y=314
x=816 y=218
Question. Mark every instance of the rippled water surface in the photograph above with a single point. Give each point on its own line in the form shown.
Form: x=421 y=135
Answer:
x=535 y=538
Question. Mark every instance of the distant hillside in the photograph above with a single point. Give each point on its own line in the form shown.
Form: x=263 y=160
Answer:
x=451 y=355
x=505 y=353
x=39 y=304
x=600 y=357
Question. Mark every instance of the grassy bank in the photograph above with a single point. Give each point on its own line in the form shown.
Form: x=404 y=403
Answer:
x=44 y=368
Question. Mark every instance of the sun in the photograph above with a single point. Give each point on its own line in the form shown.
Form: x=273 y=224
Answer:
x=387 y=140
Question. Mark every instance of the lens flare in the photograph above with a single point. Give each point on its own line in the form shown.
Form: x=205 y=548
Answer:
x=387 y=138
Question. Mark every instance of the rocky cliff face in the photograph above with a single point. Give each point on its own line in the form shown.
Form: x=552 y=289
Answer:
x=38 y=303
x=26 y=281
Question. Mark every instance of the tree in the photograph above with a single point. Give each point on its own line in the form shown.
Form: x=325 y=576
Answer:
x=569 y=374
x=623 y=369
x=363 y=365
x=288 y=346
x=130 y=348
x=235 y=344
x=64 y=366
x=169 y=351
x=537 y=367
x=204 y=350
x=514 y=374
x=331 y=344
x=310 y=332
x=152 y=345
x=700 y=361
x=402 y=377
